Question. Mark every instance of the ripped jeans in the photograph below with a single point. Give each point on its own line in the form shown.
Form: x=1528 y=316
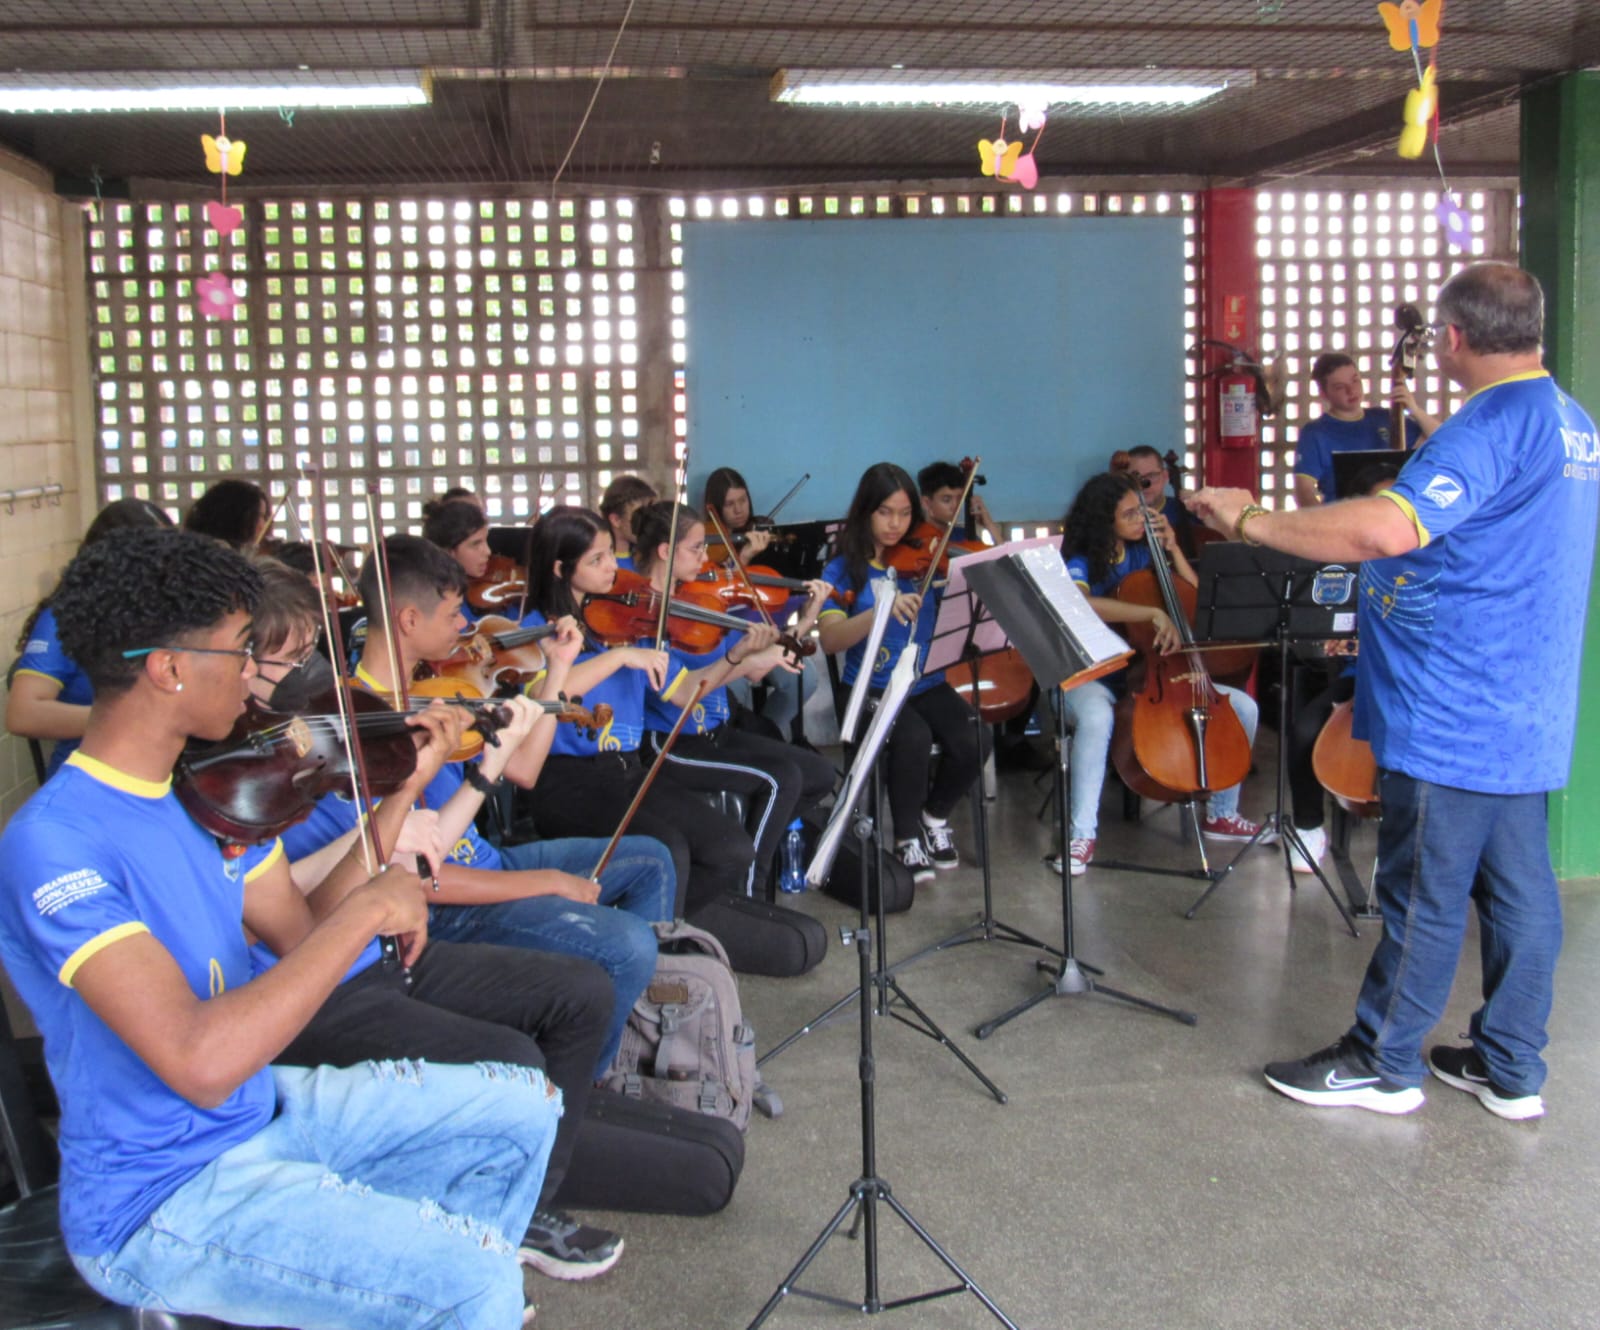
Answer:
x=388 y=1194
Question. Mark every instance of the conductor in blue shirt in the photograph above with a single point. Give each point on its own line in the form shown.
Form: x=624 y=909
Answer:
x=1509 y=484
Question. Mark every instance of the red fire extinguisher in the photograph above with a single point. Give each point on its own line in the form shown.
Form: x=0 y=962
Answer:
x=1240 y=389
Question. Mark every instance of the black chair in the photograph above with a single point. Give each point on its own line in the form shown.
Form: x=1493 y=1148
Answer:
x=39 y=1287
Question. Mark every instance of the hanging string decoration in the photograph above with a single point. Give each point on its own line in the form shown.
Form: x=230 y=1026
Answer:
x=1007 y=161
x=214 y=293
x=1414 y=25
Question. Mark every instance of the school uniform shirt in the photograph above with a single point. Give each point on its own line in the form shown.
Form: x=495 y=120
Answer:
x=1325 y=436
x=94 y=857
x=895 y=636
x=623 y=692
x=1135 y=558
x=42 y=656
x=660 y=711
x=1471 y=643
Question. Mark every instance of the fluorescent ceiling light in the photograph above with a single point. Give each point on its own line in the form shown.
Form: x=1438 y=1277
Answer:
x=213 y=91
x=989 y=89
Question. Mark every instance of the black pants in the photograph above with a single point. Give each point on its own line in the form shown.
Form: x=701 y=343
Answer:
x=587 y=796
x=1312 y=708
x=469 y=1002
x=775 y=779
x=936 y=715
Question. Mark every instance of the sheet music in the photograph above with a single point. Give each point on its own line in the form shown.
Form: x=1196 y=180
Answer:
x=870 y=748
x=883 y=594
x=1069 y=605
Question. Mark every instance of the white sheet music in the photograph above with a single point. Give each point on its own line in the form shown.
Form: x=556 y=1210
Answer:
x=883 y=594
x=1071 y=609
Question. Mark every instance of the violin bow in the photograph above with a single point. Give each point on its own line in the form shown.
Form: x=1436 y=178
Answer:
x=736 y=567
x=943 y=542
x=644 y=788
x=793 y=490
x=672 y=554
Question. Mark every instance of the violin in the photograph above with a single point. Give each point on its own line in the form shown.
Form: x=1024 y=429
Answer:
x=772 y=589
x=462 y=693
x=718 y=551
x=695 y=623
x=504 y=582
x=1175 y=736
x=272 y=769
x=496 y=653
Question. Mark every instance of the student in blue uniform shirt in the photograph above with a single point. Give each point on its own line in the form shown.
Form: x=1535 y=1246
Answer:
x=195 y=1177
x=882 y=513
x=459 y=528
x=1345 y=425
x=777 y=779
x=49 y=696
x=624 y=496
x=1467 y=688
x=589 y=779
x=941 y=484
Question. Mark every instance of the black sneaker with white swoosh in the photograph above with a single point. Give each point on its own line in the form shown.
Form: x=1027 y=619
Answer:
x=1340 y=1076
x=1465 y=1069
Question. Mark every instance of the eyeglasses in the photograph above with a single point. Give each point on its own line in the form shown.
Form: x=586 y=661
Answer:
x=243 y=653
x=299 y=662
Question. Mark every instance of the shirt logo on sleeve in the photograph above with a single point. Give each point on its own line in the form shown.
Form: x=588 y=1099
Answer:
x=61 y=892
x=37 y=646
x=1442 y=491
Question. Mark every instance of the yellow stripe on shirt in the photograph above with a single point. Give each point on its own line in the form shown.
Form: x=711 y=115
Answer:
x=1404 y=505
x=94 y=946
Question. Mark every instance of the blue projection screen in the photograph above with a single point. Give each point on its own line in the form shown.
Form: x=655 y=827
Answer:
x=1039 y=344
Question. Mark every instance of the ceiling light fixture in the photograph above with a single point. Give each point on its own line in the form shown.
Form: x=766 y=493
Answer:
x=214 y=91
x=1106 y=89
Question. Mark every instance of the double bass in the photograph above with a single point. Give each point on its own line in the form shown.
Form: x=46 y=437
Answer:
x=1176 y=737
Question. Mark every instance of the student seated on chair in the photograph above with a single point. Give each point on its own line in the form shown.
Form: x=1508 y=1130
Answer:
x=196 y=1177
x=883 y=512
x=1103 y=542
x=48 y=695
x=539 y=894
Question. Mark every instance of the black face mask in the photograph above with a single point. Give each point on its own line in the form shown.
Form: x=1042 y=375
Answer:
x=295 y=692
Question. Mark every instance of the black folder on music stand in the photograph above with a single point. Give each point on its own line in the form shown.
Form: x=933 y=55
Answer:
x=1026 y=589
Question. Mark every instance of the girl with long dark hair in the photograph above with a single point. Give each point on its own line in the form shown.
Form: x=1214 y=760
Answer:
x=883 y=512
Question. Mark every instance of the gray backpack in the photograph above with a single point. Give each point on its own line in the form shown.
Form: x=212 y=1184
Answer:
x=687 y=1043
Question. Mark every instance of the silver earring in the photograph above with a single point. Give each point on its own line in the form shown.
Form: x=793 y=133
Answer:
x=179 y=688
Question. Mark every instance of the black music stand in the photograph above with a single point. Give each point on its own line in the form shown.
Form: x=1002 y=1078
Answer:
x=1249 y=592
x=1033 y=598
x=963 y=634
x=859 y=807
x=1349 y=465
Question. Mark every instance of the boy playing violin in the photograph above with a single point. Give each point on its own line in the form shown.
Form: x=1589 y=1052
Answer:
x=196 y=1177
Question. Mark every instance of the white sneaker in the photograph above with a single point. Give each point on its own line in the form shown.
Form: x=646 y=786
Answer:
x=1315 y=839
x=914 y=856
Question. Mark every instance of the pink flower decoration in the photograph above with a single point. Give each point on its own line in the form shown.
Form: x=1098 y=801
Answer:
x=224 y=220
x=214 y=294
x=1025 y=172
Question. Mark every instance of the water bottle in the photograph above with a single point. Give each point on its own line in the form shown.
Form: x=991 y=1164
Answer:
x=792 y=865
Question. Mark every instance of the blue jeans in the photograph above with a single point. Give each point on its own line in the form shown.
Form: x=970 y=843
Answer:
x=637 y=889
x=1438 y=848
x=1091 y=710
x=388 y=1194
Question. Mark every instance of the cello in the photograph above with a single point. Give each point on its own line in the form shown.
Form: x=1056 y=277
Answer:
x=1176 y=737
x=1345 y=766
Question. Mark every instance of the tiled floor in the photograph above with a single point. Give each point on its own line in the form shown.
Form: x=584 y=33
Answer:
x=1142 y=1175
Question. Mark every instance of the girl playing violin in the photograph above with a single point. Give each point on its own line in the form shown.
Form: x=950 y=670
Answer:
x=460 y=529
x=711 y=753
x=589 y=779
x=885 y=508
x=1103 y=543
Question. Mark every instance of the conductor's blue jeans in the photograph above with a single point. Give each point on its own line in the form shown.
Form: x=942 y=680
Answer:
x=1440 y=848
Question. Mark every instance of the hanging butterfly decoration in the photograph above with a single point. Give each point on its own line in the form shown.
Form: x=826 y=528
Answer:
x=1414 y=25
x=214 y=294
x=1007 y=161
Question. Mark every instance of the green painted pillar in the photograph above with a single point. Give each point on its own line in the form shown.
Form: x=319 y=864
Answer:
x=1561 y=246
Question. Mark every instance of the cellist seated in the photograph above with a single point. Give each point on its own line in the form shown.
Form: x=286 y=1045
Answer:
x=1103 y=542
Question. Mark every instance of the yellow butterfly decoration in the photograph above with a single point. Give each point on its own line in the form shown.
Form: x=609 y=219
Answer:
x=999 y=157
x=1412 y=24
x=1421 y=102
x=224 y=156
